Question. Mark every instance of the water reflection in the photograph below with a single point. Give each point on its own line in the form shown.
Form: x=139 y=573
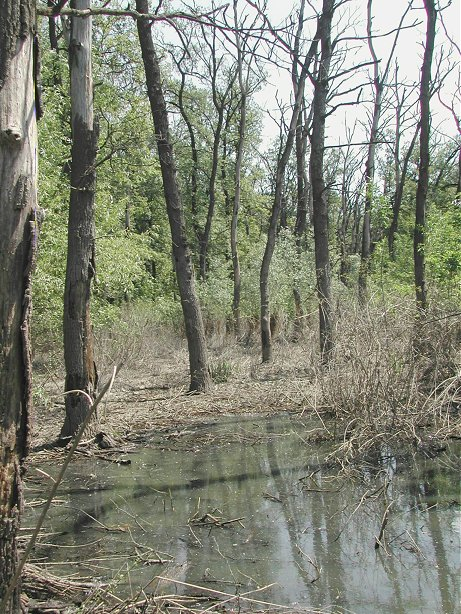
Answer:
x=282 y=519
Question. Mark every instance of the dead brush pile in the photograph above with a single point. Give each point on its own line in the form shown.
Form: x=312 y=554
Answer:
x=392 y=381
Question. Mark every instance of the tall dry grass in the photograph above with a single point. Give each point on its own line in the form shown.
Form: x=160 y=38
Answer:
x=394 y=376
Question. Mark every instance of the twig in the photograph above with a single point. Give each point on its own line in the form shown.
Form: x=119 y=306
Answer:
x=378 y=540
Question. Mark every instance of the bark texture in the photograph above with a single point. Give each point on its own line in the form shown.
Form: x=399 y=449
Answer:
x=266 y=336
x=78 y=334
x=18 y=242
x=423 y=178
x=320 y=201
x=195 y=332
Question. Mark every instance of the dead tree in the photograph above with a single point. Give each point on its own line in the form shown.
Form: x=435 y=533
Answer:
x=81 y=374
x=195 y=331
x=419 y=237
x=19 y=226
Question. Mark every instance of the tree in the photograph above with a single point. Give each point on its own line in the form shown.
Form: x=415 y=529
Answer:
x=284 y=156
x=319 y=193
x=195 y=332
x=379 y=85
x=400 y=163
x=244 y=81
x=423 y=177
x=81 y=374
x=19 y=225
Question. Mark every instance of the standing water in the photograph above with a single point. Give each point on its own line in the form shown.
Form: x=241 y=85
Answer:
x=248 y=507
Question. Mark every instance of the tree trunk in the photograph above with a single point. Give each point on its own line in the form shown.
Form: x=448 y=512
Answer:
x=398 y=196
x=195 y=332
x=243 y=85
x=320 y=202
x=266 y=338
x=423 y=179
x=378 y=84
x=18 y=242
x=81 y=371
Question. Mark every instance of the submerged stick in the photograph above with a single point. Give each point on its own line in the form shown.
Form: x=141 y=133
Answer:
x=378 y=540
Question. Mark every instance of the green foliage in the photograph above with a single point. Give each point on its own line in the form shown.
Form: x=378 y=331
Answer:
x=133 y=244
x=443 y=253
x=221 y=371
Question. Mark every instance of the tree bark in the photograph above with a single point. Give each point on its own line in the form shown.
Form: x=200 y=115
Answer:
x=195 y=332
x=266 y=337
x=320 y=202
x=423 y=178
x=398 y=195
x=18 y=241
x=379 y=84
x=81 y=371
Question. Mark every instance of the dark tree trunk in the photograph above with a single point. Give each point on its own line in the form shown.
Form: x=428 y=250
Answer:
x=379 y=84
x=423 y=179
x=242 y=109
x=18 y=242
x=81 y=372
x=320 y=201
x=398 y=196
x=195 y=332
x=266 y=338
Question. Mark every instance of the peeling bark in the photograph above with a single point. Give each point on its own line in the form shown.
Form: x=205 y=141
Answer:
x=19 y=226
x=81 y=371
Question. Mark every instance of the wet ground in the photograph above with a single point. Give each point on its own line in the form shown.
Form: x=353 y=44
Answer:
x=247 y=506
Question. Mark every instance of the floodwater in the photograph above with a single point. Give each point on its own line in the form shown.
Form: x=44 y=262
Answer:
x=246 y=505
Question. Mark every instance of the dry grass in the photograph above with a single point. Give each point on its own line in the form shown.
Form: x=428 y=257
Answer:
x=387 y=380
x=391 y=380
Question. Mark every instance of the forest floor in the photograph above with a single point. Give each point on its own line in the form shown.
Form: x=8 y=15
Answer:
x=373 y=382
x=150 y=391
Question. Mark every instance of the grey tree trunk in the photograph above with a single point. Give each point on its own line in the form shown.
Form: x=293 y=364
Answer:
x=81 y=371
x=242 y=109
x=195 y=332
x=266 y=336
x=398 y=195
x=18 y=242
x=320 y=201
x=423 y=178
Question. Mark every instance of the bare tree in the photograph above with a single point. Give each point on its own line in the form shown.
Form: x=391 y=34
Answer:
x=401 y=162
x=319 y=193
x=245 y=58
x=81 y=374
x=18 y=242
x=214 y=61
x=266 y=339
x=379 y=85
x=423 y=177
x=195 y=332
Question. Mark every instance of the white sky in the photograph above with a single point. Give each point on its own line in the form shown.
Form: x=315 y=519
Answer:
x=387 y=14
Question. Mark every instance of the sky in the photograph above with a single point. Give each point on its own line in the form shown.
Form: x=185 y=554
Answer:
x=409 y=52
